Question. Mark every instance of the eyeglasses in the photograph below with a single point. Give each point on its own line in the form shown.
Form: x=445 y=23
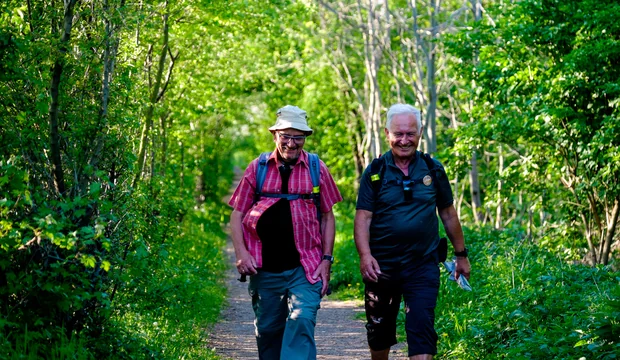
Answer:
x=298 y=139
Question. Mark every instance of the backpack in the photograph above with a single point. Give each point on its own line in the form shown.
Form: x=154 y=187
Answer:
x=377 y=170
x=315 y=174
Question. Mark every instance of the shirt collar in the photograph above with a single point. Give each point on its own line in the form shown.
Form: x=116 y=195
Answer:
x=389 y=158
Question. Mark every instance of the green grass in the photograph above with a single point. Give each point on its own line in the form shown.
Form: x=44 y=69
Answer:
x=346 y=280
x=29 y=349
x=181 y=300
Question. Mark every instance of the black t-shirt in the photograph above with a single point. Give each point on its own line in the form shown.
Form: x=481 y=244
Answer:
x=403 y=230
x=275 y=230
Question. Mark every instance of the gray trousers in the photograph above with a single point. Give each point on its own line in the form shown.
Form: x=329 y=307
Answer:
x=285 y=307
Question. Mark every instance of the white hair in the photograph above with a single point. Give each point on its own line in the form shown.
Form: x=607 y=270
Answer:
x=398 y=109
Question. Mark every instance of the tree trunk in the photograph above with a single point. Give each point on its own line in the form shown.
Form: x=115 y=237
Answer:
x=476 y=204
x=164 y=124
x=182 y=172
x=372 y=61
x=200 y=185
x=59 y=180
x=354 y=128
x=109 y=59
x=498 y=212
x=154 y=98
x=431 y=116
x=608 y=237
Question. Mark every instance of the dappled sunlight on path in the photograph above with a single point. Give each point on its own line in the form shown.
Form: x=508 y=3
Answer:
x=233 y=337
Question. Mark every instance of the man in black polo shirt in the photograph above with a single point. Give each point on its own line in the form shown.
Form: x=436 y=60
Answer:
x=397 y=235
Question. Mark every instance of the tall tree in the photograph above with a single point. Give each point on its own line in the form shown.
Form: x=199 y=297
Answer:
x=157 y=86
x=476 y=202
x=67 y=25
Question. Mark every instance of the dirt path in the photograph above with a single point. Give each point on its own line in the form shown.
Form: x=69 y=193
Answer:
x=339 y=334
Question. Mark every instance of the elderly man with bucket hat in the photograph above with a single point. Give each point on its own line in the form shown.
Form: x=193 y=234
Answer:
x=281 y=243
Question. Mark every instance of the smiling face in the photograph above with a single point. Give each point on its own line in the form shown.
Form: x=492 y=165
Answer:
x=289 y=143
x=403 y=135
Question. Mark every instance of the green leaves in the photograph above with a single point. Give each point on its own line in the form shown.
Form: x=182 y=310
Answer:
x=88 y=261
x=540 y=90
x=529 y=303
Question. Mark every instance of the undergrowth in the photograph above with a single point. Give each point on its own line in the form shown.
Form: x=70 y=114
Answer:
x=166 y=291
x=527 y=302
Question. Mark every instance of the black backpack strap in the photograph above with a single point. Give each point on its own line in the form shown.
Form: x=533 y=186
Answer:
x=261 y=174
x=289 y=196
x=315 y=174
x=377 y=170
x=439 y=176
x=432 y=167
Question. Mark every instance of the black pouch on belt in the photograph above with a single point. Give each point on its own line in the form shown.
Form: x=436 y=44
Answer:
x=442 y=249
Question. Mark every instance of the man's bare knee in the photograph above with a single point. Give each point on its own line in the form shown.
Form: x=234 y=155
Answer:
x=379 y=354
x=421 y=357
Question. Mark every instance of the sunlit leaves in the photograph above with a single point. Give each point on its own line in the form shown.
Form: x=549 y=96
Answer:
x=540 y=86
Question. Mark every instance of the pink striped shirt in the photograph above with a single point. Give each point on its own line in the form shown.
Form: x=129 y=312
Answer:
x=306 y=228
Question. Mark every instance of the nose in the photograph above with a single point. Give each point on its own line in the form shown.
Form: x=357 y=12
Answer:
x=291 y=144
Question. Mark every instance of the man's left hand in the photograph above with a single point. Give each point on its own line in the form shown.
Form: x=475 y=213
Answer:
x=323 y=272
x=462 y=267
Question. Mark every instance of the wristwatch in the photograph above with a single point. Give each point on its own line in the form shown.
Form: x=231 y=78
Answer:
x=329 y=258
x=463 y=253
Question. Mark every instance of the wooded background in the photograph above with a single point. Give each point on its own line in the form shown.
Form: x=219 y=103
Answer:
x=121 y=124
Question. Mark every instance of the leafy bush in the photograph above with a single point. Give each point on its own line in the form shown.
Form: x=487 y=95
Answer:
x=87 y=278
x=527 y=302
x=164 y=312
x=54 y=263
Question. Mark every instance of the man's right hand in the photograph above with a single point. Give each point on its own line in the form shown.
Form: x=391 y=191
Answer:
x=369 y=267
x=246 y=265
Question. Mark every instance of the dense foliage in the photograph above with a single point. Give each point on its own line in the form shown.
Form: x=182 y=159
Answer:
x=546 y=103
x=110 y=214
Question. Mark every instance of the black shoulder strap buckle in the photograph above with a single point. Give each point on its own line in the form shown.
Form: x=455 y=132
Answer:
x=315 y=174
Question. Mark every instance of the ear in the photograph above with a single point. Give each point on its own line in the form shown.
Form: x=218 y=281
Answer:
x=387 y=132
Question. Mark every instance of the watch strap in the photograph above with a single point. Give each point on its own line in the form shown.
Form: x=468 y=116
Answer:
x=463 y=253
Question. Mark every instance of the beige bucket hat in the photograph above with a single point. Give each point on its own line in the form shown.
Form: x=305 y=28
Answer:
x=291 y=117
